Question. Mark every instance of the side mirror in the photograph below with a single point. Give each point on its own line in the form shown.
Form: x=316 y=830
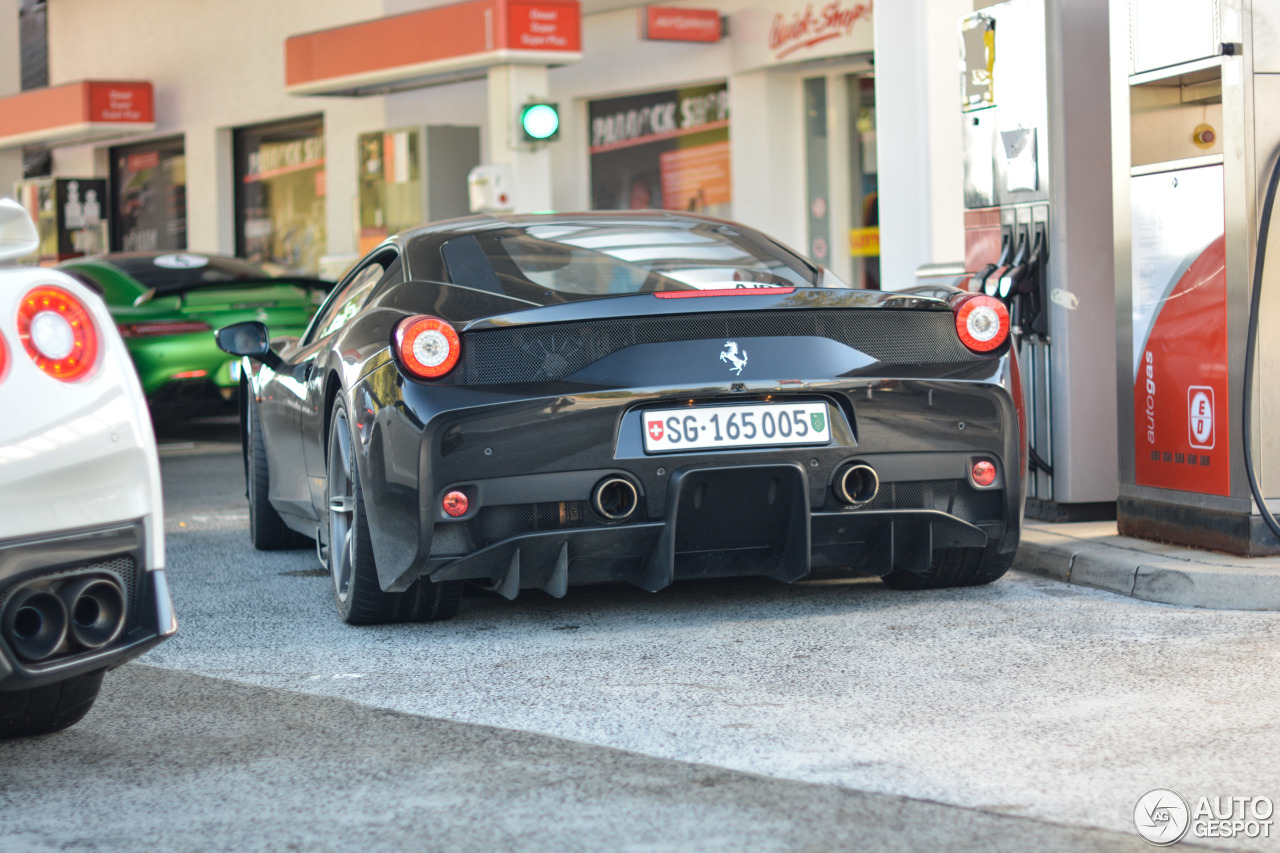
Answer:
x=247 y=339
x=18 y=235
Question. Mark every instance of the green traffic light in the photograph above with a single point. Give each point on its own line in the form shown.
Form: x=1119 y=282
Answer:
x=540 y=121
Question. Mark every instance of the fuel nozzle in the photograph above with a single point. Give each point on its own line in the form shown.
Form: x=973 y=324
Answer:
x=1011 y=281
x=984 y=280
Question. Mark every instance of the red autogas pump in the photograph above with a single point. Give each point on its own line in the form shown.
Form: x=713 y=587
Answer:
x=1194 y=89
x=1037 y=201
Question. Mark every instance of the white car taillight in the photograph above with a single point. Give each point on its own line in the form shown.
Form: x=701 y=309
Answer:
x=57 y=331
x=427 y=347
x=982 y=322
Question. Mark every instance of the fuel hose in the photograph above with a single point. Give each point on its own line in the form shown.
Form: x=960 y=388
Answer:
x=1251 y=348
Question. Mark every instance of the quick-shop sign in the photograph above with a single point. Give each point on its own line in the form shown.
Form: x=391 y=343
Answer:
x=647 y=118
x=788 y=32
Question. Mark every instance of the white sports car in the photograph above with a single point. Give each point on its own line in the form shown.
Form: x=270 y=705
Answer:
x=82 y=583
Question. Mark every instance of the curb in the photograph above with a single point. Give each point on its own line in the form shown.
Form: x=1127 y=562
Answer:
x=1093 y=554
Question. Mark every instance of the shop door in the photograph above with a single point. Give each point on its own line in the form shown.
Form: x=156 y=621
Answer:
x=149 y=197
x=840 y=175
x=280 y=196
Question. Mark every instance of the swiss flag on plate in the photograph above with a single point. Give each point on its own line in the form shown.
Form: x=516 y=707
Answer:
x=655 y=430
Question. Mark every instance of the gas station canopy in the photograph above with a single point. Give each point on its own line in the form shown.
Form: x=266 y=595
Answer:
x=431 y=46
x=77 y=112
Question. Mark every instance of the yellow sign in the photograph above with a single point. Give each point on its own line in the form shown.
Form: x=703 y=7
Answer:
x=864 y=242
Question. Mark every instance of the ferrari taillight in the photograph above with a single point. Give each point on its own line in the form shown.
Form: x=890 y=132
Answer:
x=163 y=327
x=4 y=358
x=982 y=322
x=57 y=331
x=426 y=347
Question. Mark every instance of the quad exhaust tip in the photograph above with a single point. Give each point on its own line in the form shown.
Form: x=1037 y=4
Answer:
x=96 y=607
x=856 y=484
x=34 y=624
x=615 y=498
x=87 y=611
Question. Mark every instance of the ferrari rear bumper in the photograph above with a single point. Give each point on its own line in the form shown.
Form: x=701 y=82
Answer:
x=773 y=510
x=721 y=521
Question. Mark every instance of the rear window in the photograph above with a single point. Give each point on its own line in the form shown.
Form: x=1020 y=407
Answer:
x=557 y=262
x=182 y=271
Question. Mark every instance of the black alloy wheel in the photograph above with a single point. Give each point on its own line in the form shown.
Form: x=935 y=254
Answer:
x=356 y=591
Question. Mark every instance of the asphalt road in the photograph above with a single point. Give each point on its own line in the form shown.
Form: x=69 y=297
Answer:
x=731 y=715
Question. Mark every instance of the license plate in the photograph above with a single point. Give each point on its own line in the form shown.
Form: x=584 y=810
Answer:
x=710 y=427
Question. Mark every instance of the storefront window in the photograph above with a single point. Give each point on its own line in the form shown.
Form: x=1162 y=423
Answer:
x=817 y=173
x=665 y=150
x=280 y=195
x=864 y=217
x=391 y=192
x=149 y=197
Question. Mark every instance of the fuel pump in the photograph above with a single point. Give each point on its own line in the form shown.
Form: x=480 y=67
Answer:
x=1032 y=153
x=1194 y=83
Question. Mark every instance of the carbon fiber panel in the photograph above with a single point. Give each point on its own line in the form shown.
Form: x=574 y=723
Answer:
x=550 y=352
x=495 y=523
x=954 y=497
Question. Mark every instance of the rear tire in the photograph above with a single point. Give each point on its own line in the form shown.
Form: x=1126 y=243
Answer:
x=48 y=708
x=267 y=529
x=356 y=590
x=955 y=567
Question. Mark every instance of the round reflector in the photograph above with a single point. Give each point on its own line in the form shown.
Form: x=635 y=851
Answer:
x=428 y=346
x=57 y=331
x=455 y=504
x=983 y=472
x=982 y=323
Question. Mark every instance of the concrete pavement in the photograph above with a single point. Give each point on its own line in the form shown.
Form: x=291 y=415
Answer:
x=174 y=762
x=1094 y=554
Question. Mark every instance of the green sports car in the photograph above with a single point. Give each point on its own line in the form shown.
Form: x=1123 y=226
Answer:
x=167 y=305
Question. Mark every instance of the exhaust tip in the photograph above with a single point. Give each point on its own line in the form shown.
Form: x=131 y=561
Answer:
x=34 y=624
x=97 y=610
x=856 y=484
x=615 y=498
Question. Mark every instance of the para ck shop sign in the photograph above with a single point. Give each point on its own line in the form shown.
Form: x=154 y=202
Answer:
x=800 y=30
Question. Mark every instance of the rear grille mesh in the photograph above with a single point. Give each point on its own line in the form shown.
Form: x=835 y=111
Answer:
x=549 y=352
x=495 y=523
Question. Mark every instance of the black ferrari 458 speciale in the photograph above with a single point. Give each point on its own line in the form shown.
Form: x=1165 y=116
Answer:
x=538 y=401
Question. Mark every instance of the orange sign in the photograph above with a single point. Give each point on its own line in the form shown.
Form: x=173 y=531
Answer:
x=89 y=109
x=666 y=23
x=544 y=26
x=121 y=102
x=694 y=179
x=442 y=39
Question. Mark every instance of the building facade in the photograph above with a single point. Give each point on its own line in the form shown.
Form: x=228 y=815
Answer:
x=287 y=132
